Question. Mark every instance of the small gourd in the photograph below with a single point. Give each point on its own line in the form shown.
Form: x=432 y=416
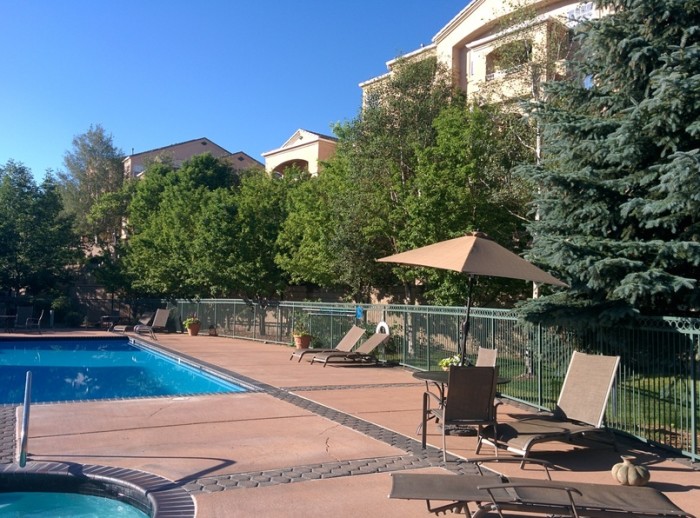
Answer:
x=628 y=473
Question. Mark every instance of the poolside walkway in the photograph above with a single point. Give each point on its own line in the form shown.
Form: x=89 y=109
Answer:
x=313 y=442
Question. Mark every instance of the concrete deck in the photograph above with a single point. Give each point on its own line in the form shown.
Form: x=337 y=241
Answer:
x=317 y=442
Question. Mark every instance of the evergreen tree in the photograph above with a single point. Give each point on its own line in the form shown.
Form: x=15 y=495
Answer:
x=617 y=191
x=37 y=243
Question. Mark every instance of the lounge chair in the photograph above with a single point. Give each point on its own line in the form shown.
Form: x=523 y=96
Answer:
x=469 y=402
x=23 y=317
x=160 y=320
x=109 y=321
x=496 y=493
x=344 y=345
x=486 y=357
x=580 y=410
x=362 y=354
x=145 y=320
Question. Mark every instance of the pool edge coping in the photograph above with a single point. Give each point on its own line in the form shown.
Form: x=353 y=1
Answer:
x=167 y=497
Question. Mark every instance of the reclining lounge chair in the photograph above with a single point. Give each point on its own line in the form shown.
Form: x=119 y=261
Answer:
x=580 y=410
x=495 y=493
x=361 y=354
x=345 y=344
x=145 y=320
x=160 y=320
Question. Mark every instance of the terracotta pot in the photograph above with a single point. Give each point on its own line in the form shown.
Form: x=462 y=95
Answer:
x=302 y=341
x=193 y=329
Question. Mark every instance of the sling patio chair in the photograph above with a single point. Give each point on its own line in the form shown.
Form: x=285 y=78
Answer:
x=579 y=413
x=344 y=345
x=24 y=317
x=35 y=323
x=490 y=493
x=469 y=402
x=160 y=320
x=362 y=354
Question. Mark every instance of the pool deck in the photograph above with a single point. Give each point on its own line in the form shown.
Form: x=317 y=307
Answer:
x=316 y=442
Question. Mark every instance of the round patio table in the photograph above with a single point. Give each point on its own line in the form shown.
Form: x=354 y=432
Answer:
x=439 y=379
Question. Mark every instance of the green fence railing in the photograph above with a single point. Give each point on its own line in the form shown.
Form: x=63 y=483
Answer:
x=655 y=397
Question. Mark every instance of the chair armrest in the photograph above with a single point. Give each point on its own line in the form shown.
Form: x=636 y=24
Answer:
x=437 y=399
x=544 y=463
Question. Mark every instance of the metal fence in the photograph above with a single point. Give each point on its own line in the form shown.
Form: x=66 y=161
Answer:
x=655 y=397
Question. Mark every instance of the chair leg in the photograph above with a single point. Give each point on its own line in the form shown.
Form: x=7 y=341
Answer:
x=424 y=420
x=444 y=444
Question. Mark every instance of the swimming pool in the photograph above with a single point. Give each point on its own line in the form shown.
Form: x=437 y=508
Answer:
x=81 y=369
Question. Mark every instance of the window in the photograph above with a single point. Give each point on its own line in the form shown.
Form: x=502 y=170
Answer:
x=508 y=58
x=579 y=13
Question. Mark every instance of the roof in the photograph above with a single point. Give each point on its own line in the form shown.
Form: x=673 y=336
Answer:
x=159 y=149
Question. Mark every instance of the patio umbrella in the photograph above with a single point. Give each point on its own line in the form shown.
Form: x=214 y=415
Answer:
x=474 y=254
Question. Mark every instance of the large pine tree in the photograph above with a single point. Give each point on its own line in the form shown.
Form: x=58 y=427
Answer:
x=618 y=190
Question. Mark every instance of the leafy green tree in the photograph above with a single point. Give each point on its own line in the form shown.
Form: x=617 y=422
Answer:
x=199 y=231
x=465 y=182
x=110 y=208
x=617 y=189
x=166 y=216
x=341 y=222
x=93 y=168
x=261 y=209
x=38 y=244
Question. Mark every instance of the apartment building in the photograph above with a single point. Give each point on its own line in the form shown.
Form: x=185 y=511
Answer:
x=497 y=49
x=304 y=149
x=176 y=154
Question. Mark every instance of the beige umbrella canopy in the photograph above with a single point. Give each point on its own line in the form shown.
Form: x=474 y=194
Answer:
x=474 y=254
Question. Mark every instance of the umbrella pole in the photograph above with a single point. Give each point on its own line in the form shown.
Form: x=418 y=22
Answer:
x=465 y=324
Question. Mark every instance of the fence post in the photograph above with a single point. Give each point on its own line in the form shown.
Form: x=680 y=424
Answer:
x=694 y=396
x=537 y=362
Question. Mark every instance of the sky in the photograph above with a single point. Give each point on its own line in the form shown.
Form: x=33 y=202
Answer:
x=152 y=73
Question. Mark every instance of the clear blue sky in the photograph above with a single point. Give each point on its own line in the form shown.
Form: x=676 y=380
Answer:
x=157 y=72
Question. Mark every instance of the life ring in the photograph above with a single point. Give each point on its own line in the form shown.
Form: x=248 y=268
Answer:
x=382 y=327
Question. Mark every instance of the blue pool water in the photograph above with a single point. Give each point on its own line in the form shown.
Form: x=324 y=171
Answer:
x=64 y=505
x=88 y=369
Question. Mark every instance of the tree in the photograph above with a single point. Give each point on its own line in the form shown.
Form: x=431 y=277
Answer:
x=38 y=245
x=168 y=215
x=303 y=250
x=201 y=231
x=465 y=182
x=93 y=168
x=261 y=209
x=621 y=169
x=341 y=222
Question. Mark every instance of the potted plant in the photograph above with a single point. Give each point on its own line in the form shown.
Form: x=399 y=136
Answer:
x=192 y=324
x=301 y=331
x=445 y=363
